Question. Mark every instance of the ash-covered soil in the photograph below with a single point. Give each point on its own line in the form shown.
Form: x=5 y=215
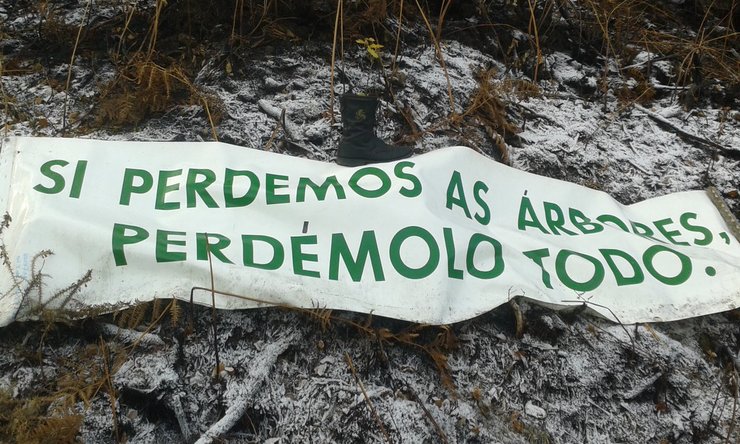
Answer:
x=521 y=373
x=286 y=377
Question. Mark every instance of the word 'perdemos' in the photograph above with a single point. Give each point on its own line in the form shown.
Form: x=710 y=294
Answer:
x=235 y=188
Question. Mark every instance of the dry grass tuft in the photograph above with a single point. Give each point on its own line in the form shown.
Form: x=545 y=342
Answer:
x=52 y=412
x=487 y=104
x=708 y=56
x=487 y=109
x=56 y=307
x=26 y=421
x=133 y=317
x=702 y=43
x=145 y=316
x=144 y=88
x=639 y=90
x=522 y=89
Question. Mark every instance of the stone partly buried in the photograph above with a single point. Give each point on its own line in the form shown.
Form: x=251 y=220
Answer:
x=359 y=144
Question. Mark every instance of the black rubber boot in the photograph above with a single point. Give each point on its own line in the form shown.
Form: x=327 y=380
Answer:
x=359 y=144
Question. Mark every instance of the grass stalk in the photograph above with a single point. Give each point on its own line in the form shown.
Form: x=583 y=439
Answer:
x=210 y=118
x=440 y=57
x=734 y=382
x=398 y=37
x=214 y=314
x=369 y=403
x=71 y=64
x=122 y=37
x=337 y=19
x=441 y=19
x=155 y=28
x=533 y=27
x=6 y=101
x=108 y=382
x=238 y=6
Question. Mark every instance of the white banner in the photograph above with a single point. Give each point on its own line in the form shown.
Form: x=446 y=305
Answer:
x=437 y=238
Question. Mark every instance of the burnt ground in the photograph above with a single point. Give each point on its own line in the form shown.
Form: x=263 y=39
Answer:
x=521 y=373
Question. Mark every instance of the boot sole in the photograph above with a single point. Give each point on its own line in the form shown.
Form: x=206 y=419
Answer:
x=352 y=162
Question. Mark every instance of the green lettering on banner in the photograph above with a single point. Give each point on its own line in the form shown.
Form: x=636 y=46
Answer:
x=128 y=188
x=355 y=266
x=528 y=217
x=203 y=245
x=248 y=197
x=643 y=230
x=537 y=256
x=299 y=256
x=195 y=187
x=395 y=253
x=456 y=186
x=271 y=187
x=162 y=252
x=583 y=223
x=685 y=222
x=278 y=252
x=79 y=176
x=606 y=218
x=120 y=239
x=415 y=189
x=562 y=271
x=637 y=275
x=385 y=182
x=452 y=272
x=555 y=219
x=498 y=260
x=58 y=179
x=683 y=274
x=669 y=234
x=478 y=189
x=163 y=187
x=319 y=190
